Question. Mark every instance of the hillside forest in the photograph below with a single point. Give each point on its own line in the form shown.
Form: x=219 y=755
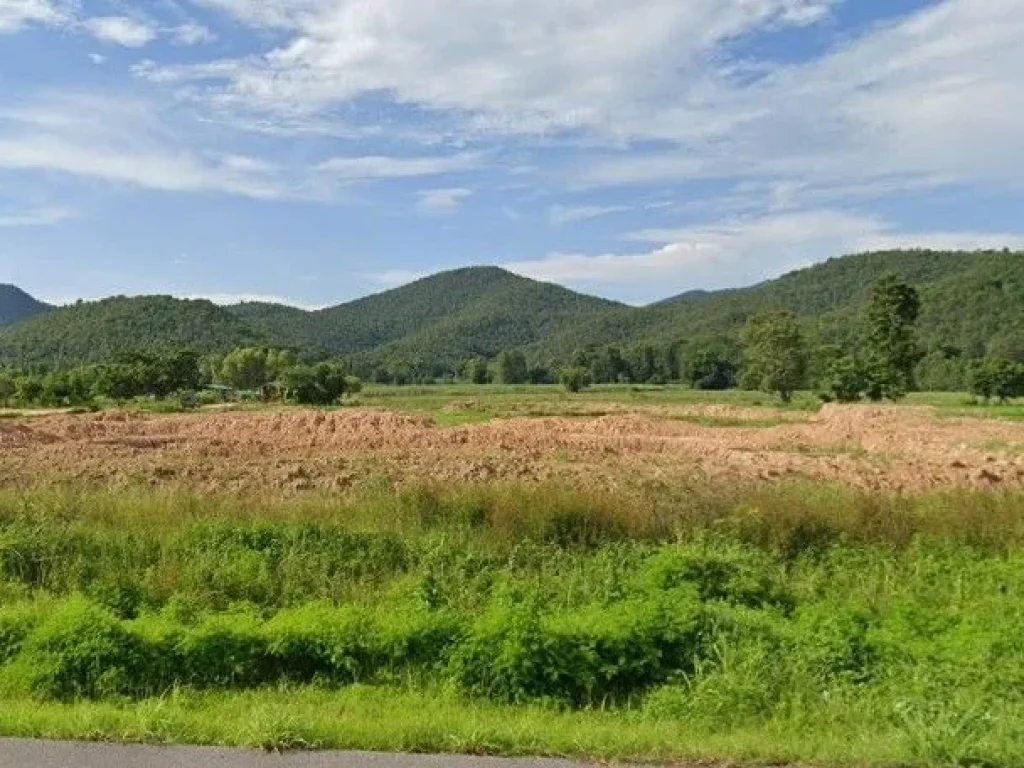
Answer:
x=873 y=325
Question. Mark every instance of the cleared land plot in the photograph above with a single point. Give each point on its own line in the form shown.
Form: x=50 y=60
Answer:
x=592 y=443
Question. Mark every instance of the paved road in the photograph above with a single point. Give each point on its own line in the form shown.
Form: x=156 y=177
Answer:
x=58 y=754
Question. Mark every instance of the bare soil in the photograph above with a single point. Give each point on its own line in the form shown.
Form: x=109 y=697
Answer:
x=291 y=450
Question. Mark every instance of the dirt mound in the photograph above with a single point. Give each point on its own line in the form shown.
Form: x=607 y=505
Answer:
x=296 y=450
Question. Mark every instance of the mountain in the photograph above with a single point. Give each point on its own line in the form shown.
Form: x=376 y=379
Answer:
x=446 y=317
x=16 y=305
x=968 y=300
x=89 y=332
x=971 y=301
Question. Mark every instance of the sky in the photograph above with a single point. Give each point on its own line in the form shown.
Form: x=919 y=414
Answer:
x=313 y=151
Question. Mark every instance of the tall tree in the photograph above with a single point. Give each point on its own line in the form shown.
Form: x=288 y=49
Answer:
x=246 y=368
x=512 y=367
x=891 y=348
x=477 y=371
x=777 y=353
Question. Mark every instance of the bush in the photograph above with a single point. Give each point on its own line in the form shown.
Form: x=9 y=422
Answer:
x=575 y=379
x=845 y=380
x=82 y=650
x=719 y=572
x=515 y=653
x=1000 y=379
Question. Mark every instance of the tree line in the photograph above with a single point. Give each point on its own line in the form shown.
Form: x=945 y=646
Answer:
x=256 y=371
x=877 y=356
x=882 y=358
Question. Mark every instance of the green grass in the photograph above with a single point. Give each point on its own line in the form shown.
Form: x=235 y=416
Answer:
x=795 y=623
x=433 y=720
x=960 y=405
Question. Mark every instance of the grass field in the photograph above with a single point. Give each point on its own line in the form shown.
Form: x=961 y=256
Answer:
x=652 y=616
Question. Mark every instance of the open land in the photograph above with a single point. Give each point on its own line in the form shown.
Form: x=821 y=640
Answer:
x=653 y=575
x=869 y=447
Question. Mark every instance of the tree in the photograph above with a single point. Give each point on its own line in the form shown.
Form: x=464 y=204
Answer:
x=777 y=353
x=711 y=363
x=8 y=386
x=845 y=380
x=120 y=381
x=608 y=366
x=575 y=378
x=540 y=374
x=477 y=371
x=1001 y=379
x=30 y=389
x=279 y=360
x=512 y=368
x=246 y=368
x=176 y=371
x=644 y=363
x=891 y=349
x=321 y=384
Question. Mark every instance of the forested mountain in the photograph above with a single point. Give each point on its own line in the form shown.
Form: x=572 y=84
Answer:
x=16 y=305
x=973 y=304
x=477 y=310
x=98 y=331
x=969 y=300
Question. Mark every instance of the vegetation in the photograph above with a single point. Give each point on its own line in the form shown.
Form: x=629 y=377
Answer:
x=794 y=623
x=891 y=349
x=269 y=373
x=16 y=305
x=777 y=355
x=97 y=332
x=575 y=379
x=970 y=308
x=997 y=378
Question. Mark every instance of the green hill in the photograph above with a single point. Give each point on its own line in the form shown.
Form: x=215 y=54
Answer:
x=444 y=318
x=96 y=331
x=973 y=302
x=16 y=305
x=969 y=300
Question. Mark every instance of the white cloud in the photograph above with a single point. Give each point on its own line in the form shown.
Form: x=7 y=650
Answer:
x=561 y=214
x=121 y=30
x=192 y=33
x=442 y=201
x=937 y=96
x=745 y=251
x=381 y=167
x=97 y=59
x=36 y=217
x=591 y=64
x=231 y=299
x=15 y=14
x=122 y=141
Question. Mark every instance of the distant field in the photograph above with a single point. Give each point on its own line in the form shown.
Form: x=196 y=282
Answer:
x=630 y=573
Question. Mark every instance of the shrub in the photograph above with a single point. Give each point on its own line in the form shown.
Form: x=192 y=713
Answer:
x=226 y=651
x=515 y=654
x=845 y=380
x=82 y=650
x=575 y=379
x=719 y=572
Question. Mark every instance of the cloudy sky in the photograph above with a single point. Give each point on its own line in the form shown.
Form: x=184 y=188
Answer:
x=317 y=150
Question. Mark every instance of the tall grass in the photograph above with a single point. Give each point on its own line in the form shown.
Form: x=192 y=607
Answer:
x=797 y=622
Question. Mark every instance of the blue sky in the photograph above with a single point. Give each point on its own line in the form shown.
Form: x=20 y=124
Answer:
x=316 y=150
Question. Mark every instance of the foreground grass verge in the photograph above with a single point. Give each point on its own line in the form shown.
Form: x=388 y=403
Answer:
x=785 y=624
x=434 y=721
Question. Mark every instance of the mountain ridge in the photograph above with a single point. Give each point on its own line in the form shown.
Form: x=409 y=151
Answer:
x=970 y=299
x=17 y=305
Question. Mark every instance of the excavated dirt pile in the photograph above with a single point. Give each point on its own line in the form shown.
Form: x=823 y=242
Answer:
x=294 y=450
